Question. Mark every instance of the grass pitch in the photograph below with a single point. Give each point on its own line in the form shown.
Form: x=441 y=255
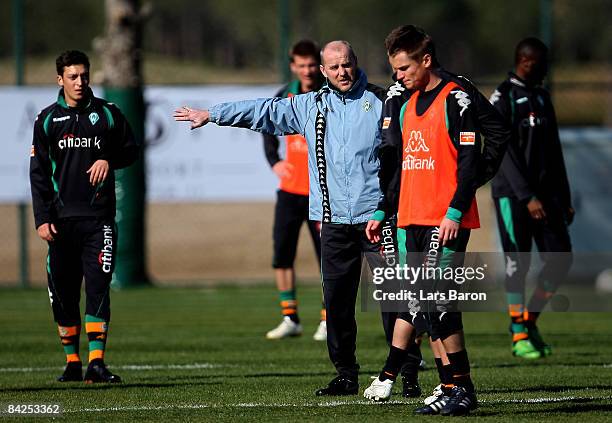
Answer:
x=200 y=354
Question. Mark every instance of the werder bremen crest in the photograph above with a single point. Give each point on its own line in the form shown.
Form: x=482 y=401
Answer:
x=93 y=118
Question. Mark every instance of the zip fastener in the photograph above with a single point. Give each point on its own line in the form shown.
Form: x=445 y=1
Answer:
x=345 y=167
x=97 y=190
x=59 y=200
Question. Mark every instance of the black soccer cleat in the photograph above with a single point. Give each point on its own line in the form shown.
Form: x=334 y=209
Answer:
x=461 y=402
x=72 y=373
x=340 y=385
x=98 y=373
x=410 y=389
x=434 y=407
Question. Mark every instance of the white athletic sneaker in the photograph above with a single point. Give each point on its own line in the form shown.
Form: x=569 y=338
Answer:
x=321 y=332
x=286 y=328
x=437 y=393
x=379 y=390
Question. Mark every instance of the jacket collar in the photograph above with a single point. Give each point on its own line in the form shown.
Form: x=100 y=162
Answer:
x=61 y=100
x=519 y=82
x=356 y=90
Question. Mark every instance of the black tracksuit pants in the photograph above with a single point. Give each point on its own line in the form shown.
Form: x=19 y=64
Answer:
x=83 y=247
x=342 y=249
x=518 y=230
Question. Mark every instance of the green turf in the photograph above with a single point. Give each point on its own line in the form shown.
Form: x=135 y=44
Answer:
x=243 y=377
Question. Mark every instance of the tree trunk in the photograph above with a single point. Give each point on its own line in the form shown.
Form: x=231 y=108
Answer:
x=121 y=50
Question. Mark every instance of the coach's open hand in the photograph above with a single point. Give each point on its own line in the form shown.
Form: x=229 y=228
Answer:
x=196 y=117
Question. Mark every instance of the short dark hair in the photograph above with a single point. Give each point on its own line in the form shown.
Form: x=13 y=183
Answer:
x=304 y=48
x=528 y=46
x=412 y=40
x=69 y=58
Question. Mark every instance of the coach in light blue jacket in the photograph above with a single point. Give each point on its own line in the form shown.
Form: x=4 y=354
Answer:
x=341 y=123
x=348 y=177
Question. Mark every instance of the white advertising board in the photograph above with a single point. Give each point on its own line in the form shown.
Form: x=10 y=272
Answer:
x=208 y=164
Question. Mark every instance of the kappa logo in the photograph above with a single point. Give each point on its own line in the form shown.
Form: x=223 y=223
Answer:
x=50 y=295
x=367 y=106
x=394 y=90
x=495 y=97
x=463 y=100
x=416 y=142
x=511 y=266
x=61 y=119
x=93 y=118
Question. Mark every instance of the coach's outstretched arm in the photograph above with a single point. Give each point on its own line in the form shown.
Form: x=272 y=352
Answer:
x=275 y=116
x=197 y=117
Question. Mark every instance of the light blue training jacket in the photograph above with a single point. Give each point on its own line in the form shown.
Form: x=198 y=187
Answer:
x=343 y=131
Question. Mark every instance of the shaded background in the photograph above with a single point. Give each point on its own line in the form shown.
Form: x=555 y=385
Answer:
x=240 y=42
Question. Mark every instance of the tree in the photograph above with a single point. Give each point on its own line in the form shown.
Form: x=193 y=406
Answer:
x=121 y=52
